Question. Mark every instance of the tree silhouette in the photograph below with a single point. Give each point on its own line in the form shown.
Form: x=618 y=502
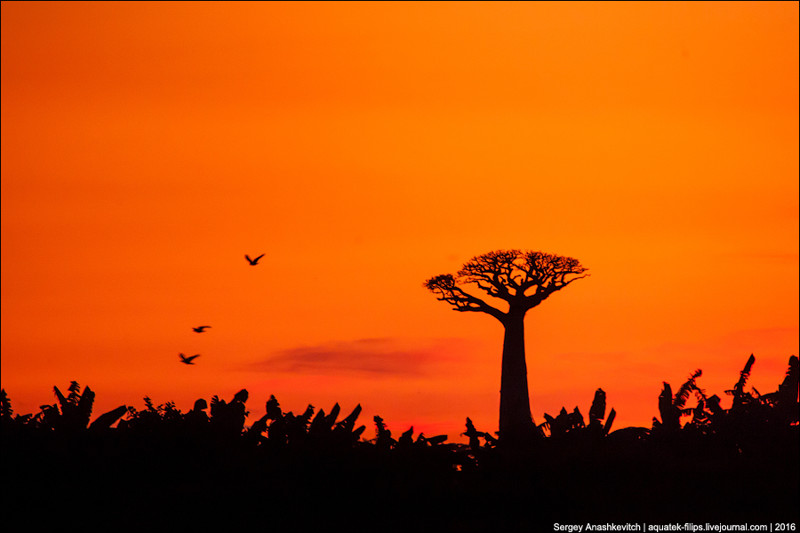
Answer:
x=522 y=279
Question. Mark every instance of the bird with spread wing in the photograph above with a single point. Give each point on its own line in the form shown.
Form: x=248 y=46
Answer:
x=253 y=262
x=188 y=360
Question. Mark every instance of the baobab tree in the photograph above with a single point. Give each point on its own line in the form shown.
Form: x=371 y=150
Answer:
x=522 y=279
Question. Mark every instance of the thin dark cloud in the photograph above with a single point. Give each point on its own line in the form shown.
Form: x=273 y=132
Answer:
x=376 y=357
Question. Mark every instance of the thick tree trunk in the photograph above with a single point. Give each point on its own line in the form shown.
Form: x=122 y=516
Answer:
x=515 y=409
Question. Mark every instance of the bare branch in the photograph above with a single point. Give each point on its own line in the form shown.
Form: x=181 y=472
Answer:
x=495 y=268
x=446 y=290
x=507 y=275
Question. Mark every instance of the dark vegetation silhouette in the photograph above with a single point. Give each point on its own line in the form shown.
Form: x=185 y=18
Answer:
x=523 y=280
x=208 y=470
x=559 y=426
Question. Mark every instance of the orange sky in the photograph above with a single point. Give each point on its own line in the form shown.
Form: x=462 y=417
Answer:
x=364 y=147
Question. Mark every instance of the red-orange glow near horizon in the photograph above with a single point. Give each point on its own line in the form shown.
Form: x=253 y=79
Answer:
x=364 y=147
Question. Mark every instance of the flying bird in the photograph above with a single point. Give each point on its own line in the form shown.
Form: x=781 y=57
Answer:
x=188 y=360
x=200 y=329
x=253 y=262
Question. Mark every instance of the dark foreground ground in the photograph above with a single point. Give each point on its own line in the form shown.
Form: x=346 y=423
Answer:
x=101 y=482
x=163 y=470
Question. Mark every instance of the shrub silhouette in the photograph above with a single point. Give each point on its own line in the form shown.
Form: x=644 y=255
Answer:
x=750 y=412
x=71 y=414
x=672 y=407
x=285 y=430
x=573 y=423
x=207 y=468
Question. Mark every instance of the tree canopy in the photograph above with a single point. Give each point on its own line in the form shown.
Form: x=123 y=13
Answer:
x=520 y=277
